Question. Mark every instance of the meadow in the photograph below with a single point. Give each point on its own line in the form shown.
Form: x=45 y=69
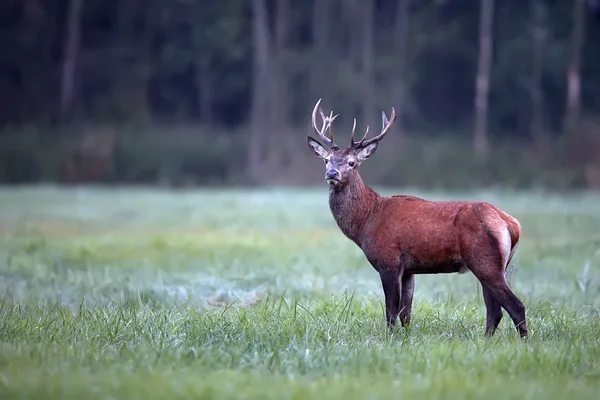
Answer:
x=141 y=293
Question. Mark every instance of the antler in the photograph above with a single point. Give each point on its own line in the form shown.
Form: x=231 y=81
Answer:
x=386 y=126
x=327 y=121
x=354 y=144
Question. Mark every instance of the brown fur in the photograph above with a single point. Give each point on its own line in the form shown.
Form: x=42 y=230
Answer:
x=402 y=236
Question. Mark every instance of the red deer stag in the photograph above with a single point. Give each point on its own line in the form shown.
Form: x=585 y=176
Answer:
x=402 y=236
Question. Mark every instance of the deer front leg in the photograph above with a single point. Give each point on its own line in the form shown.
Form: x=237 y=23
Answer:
x=408 y=288
x=390 y=280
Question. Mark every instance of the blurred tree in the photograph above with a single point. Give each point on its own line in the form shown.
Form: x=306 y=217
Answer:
x=320 y=68
x=573 y=102
x=261 y=88
x=262 y=64
x=539 y=36
x=486 y=20
x=71 y=50
x=279 y=105
x=401 y=32
x=365 y=14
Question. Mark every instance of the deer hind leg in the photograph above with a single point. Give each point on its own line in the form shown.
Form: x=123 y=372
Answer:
x=493 y=312
x=499 y=289
x=490 y=273
x=498 y=286
x=489 y=270
x=390 y=280
x=406 y=298
x=486 y=249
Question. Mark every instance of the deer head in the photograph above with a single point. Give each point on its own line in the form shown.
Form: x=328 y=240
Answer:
x=341 y=164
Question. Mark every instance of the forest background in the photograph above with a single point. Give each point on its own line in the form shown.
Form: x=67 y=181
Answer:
x=183 y=92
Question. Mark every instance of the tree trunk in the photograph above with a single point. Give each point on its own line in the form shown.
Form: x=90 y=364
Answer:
x=368 y=95
x=573 y=111
x=132 y=51
x=279 y=103
x=400 y=47
x=539 y=33
x=486 y=20
x=203 y=85
x=320 y=60
x=71 y=50
x=260 y=120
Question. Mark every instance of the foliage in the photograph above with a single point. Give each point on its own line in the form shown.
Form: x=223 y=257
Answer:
x=147 y=69
x=190 y=155
x=157 y=59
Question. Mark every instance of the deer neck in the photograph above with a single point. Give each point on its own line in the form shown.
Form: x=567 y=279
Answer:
x=352 y=205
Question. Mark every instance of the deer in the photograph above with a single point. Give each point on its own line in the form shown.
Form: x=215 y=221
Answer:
x=402 y=236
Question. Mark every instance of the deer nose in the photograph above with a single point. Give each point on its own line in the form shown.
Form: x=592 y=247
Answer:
x=332 y=174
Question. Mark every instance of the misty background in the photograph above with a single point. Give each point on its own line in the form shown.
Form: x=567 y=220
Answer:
x=190 y=92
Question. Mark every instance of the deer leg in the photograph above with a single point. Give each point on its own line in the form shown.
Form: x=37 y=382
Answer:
x=491 y=276
x=493 y=312
x=486 y=248
x=390 y=280
x=499 y=289
x=408 y=288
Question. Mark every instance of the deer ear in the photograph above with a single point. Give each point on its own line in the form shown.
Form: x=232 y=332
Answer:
x=366 y=151
x=317 y=148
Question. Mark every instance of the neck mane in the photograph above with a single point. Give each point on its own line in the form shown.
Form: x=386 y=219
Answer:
x=352 y=205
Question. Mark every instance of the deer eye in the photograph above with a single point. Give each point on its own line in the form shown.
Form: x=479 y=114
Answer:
x=325 y=161
x=351 y=163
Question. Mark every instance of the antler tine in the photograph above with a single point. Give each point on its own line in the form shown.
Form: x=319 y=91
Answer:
x=326 y=125
x=359 y=143
x=330 y=120
x=352 y=135
x=364 y=136
x=387 y=125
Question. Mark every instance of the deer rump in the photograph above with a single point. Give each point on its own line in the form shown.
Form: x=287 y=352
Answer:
x=441 y=237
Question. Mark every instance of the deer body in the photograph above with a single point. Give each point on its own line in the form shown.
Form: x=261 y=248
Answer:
x=403 y=236
x=425 y=234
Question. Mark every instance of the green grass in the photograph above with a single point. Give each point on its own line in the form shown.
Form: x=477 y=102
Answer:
x=140 y=293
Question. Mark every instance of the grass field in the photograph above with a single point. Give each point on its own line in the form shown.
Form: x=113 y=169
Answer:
x=148 y=294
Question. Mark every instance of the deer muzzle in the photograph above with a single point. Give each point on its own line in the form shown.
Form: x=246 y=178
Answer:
x=332 y=175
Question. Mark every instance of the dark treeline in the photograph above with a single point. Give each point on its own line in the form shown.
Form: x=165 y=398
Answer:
x=477 y=73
